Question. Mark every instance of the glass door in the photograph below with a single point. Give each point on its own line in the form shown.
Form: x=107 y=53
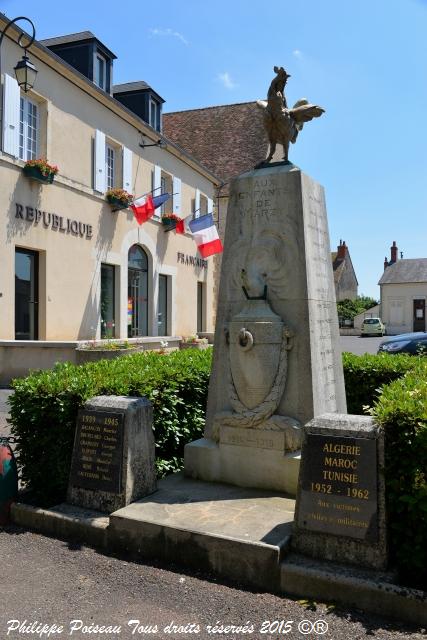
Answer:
x=162 y=318
x=26 y=295
x=137 y=292
x=419 y=315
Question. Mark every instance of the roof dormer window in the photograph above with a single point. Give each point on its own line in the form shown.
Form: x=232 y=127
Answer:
x=100 y=71
x=154 y=115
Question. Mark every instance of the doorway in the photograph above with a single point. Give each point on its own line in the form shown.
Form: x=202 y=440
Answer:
x=419 y=315
x=26 y=294
x=137 y=292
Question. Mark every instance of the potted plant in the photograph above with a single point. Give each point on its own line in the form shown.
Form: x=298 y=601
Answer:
x=194 y=342
x=40 y=170
x=169 y=221
x=93 y=350
x=119 y=198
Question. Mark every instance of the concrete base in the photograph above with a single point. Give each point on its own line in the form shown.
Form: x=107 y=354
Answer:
x=243 y=465
x=239 y=534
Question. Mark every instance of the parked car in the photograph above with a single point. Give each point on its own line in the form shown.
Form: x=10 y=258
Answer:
x=415 y=343
x=372 y=327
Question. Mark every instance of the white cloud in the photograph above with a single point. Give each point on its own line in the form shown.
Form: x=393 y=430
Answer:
x=169 y=32
x=226 y=80
x=297 y=53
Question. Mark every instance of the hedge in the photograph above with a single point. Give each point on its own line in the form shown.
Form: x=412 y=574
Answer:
x=366 y=375
x=401 y=410
x=44 y=408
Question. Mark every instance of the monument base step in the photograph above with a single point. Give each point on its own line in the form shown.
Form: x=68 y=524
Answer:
x=237 y=533
x=265 y=466
x=367 y=589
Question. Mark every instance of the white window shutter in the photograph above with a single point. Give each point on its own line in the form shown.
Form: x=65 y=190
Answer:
x=176 y=196
x=210 y=205
x=157 y=180
x=127 y=169
x=99 y=178
x=11 y=110
x=197 y=204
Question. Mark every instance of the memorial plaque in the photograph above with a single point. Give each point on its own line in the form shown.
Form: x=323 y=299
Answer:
x=338 y=493
x=98 y=451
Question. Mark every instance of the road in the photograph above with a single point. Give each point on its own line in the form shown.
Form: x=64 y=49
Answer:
x=54 y=582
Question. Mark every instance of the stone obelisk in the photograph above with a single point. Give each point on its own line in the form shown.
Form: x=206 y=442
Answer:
x=277 y=359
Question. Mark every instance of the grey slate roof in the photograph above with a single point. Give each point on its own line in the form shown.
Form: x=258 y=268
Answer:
x=81 y=36
x=406 y=270
x=130 y=86
x=71 y=37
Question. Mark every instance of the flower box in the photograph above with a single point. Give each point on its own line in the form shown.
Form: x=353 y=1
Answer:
x=119 y=199
x=169 y=223
x=35 y=173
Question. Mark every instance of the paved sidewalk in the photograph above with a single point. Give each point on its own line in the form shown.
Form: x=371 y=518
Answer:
x=4 y=411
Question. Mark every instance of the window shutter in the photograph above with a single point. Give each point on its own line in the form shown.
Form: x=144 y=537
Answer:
x=210 y=205
x=197 y=204
x=11 y=110
x=127 y=169
x=99 y=178
x=176 y=196
x=157 y=182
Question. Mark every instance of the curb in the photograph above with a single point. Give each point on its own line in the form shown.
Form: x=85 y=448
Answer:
x=367 y=590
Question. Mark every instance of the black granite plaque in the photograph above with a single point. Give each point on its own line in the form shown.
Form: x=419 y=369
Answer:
x=338 y=487
x=98 y=451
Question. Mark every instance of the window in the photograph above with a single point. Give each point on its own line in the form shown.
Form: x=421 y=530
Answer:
x=154 y=115
x=28 y=129
x=201 y=296
x=162 y=321
x=166 y=184
x=203 y=205
x=107 y=301
x=100 y=71
x=110 y=166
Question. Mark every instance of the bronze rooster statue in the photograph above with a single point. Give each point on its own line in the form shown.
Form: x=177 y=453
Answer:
x=283 y=124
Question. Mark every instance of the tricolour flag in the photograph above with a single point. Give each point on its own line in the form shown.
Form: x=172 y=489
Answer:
x=143 y=208
x=206 y=235
x=159 y=200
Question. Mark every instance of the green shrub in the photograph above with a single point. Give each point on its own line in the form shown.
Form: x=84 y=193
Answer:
x=402 y=412
x=45 y=404
x=365 y=376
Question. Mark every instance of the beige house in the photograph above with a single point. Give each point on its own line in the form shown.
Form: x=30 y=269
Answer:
x=403 y=293
x=72 y=268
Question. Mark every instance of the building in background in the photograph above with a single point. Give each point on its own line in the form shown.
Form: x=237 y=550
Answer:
x=344 y=275
x=403 y=287
x=72 y=268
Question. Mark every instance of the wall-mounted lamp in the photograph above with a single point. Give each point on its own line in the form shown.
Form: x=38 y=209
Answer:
x=25 y=71
x=160 y=143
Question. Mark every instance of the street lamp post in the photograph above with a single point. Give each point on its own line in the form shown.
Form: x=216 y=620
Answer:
x=25 y=71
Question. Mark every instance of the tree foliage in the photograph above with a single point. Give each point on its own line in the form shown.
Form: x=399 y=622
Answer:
x=347 y=309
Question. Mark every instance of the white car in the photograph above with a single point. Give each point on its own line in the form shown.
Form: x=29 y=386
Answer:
x=372 y=327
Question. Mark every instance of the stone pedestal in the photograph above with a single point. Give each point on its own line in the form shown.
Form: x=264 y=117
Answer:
x=113 y=455
x=340 y=506
x=277 y=359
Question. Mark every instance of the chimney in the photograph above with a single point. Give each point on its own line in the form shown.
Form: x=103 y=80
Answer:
x=385 y=263
x=341 y=250
x=393 y=253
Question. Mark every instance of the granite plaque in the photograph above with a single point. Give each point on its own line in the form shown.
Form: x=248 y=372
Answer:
x=339 y=487
x=98 y=451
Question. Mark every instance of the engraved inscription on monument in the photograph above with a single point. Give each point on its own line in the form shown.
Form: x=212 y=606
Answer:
x=339 y=487
x=98 y=451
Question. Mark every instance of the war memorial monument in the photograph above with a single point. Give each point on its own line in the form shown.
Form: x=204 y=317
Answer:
x=284 y=492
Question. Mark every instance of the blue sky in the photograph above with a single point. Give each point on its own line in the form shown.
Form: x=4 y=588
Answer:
x=364 y=61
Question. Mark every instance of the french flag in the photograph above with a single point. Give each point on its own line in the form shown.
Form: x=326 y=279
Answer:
x=143 y=208
x=206 y=235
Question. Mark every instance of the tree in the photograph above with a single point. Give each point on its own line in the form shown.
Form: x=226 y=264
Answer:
x=347 y=309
